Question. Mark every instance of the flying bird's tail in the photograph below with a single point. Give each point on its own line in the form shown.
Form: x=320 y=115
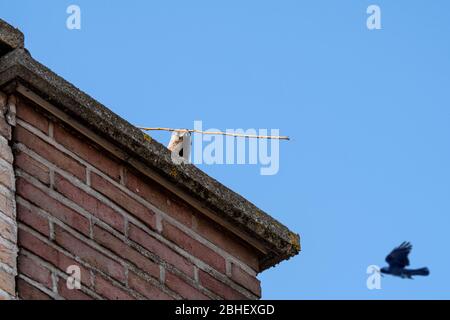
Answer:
x=419 y=272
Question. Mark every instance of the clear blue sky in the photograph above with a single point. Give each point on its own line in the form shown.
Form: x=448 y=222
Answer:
x=368 y=111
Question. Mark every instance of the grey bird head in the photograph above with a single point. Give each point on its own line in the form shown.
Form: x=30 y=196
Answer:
x=384 y=270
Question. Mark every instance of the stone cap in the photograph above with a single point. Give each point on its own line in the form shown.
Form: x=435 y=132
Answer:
x=18 y=67
x=10 y=38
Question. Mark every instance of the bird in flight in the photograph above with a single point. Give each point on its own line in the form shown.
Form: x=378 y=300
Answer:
x=398 y=261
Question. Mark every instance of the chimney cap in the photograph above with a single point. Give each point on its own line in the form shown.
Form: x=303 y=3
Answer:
x=10 y=38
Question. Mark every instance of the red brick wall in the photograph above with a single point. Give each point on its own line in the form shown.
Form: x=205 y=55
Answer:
x=132 y=239
x=8 y=223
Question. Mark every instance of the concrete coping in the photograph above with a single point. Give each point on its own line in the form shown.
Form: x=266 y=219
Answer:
x=10 y=38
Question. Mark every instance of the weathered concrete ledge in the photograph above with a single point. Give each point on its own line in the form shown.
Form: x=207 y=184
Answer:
x=10 y=38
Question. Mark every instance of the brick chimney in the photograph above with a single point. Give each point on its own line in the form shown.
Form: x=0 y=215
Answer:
x=85 y=193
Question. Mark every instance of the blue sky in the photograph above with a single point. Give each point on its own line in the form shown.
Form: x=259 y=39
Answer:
x=368 y=165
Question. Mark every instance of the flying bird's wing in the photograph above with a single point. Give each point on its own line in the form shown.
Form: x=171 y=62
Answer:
x=398 y=258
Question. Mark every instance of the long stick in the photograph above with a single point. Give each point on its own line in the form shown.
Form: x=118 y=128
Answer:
x=216 y=133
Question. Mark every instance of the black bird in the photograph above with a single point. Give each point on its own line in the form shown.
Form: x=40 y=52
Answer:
x=398 y=260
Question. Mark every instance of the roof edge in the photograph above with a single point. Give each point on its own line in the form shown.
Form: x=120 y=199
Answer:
x=10 y=38
x=279 y=240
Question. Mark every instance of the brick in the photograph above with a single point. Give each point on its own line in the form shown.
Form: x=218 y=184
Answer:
x=246 y=280
x=88 y=152
x=33 y=244
x=33 y=220
x=146 y=288
x=51 y=255
x=89 y=255
x=7 y=206
x=7 y=256
x=34 y=271
x=68 y=294
x=29 y=114
x=109 y=241
x=194 y=247
x=153 y=193
x=5 y=150
x=50 y=153
x=32 y=167
x=52 y=206
x=184 y=289
x=116 y=195
x=7 y=231
x=89 y=203
x=107 y=290
x=165 y=253
x=7 y=282
x=28 y=292
x=7 y=176
x=5 y=129
x=64 y=262
x=219 y=287
x=226 y=241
